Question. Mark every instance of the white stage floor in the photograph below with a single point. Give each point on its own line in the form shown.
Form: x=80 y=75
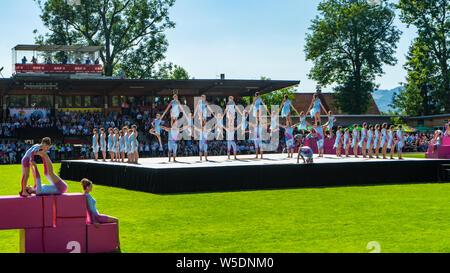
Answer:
x=243 y=160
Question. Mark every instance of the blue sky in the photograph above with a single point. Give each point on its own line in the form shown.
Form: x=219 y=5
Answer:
x=245 y=39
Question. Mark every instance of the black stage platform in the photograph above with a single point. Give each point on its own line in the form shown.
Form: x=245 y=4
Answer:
x=156 y=175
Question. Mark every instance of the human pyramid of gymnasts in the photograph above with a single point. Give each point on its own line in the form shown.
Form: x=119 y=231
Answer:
x=57 y=186
x=124 y=142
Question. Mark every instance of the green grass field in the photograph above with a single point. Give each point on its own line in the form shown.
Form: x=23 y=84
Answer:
x=402 y=218
x=413 y=155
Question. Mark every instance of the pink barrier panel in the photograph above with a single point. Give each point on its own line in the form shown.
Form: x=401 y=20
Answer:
x=71 y=205
x=103 y=239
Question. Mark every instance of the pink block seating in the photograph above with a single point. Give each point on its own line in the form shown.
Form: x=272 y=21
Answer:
x=56 y=224
x=103 y=239
x=17 y=212
x=442 y=151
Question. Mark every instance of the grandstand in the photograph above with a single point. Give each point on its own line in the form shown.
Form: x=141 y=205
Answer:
x=59 y=91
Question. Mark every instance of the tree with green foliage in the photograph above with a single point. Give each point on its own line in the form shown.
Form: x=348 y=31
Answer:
x=419 y=97
x=171 y=71
x=131 y=32
x=428 y=62
x=349 y=43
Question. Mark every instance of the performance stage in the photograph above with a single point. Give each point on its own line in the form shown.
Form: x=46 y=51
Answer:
x=275 y=171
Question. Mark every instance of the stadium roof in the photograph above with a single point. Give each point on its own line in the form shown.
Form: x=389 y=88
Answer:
x=78 y=48
x=211 y=87
x=431 y=116
x=303 y=100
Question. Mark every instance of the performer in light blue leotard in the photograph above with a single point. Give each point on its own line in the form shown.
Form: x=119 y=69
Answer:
x=383 y=137
x=110 y=139
x=230 y=142
x=390 y=139
x=286 y=110
x=376 y=142
x=174 y=106
x=370 y=143
x=320 y=139
x=113 y=144
x=95 y=146
x=257 y=106
x=125 y=140
x=244 y=122
x=57 y=187
x=94 y=216
x=174 y=136
x=273 y=124
x=156 y=130
x=157 y=126
x=28 y=160
x=203 y=142
x=306 y=153
x=121 y=144
x=258 y=137
x=289 y=137
x=369 y=137
x=219 y=126
x=338 y=139
x=315 y=108
x=331 y=123
x=377 y=136
x=303 y=123
x=354 y=137
x=363 y=135
x=346 y=138
x=103 y=143
x=400 y=142
x=338 y=142
x=202 y=108
x=175 y=111
x=131 y=139
x=173 y=141
x=230 y=110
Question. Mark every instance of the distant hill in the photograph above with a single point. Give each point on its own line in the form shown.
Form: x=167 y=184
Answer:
x=384 y=97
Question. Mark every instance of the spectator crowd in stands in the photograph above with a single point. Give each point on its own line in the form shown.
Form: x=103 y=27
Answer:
x=62 y=60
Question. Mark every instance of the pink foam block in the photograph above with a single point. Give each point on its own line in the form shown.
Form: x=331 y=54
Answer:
x=25 y=212
x=49 y=210
x=71 y=205
x=53 y=240
x=31 y=240
x=65 y=240
x=71 y=222
x=102 y=239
